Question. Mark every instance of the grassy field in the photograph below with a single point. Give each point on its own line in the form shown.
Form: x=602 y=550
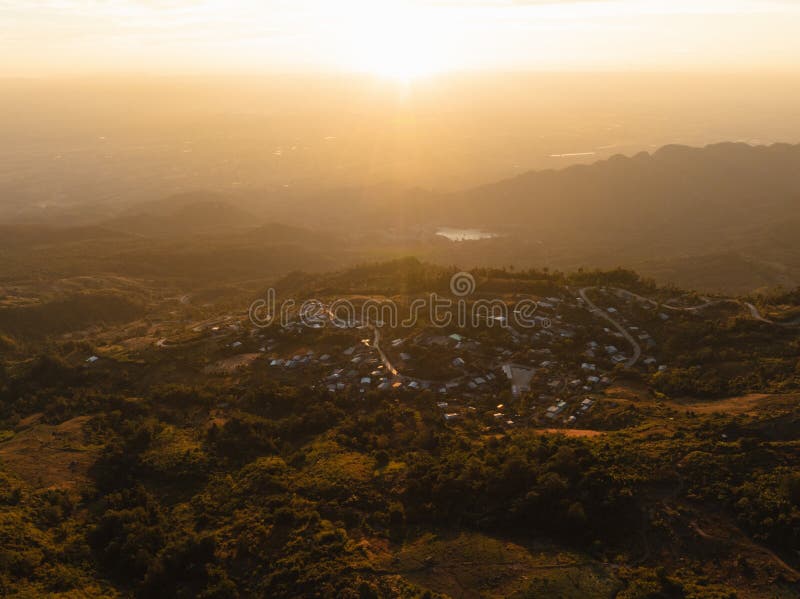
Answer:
x=47 y=456
x=472 y=566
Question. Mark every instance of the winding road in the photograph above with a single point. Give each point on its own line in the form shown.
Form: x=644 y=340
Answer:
x=751 y=308
x=637 y=349
x=376 y=342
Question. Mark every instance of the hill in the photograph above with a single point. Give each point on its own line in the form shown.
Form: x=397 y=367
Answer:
x=171 y=448
x=184 y=214
x=679 y=191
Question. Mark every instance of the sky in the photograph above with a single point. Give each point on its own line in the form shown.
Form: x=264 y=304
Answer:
x=395 y=38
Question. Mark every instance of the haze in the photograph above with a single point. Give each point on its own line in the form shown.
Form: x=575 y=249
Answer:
x=402 y=40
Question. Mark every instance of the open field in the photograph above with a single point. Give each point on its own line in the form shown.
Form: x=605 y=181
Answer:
x=47 y=456
x=475 y=566
x=751 y=404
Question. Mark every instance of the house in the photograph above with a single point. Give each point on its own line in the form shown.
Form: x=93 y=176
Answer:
x=451 y=416
x=442 y=405
x=618 y=359
x=92 y=359
x=366 y=380
x=588 y=367
x=458 y=362
x=405 y=357
x=236 y=344
x=611 y=350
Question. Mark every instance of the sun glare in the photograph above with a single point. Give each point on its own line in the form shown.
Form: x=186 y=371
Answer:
x=396 y=40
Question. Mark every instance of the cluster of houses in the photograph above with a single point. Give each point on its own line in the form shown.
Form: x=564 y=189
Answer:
x=560 y=360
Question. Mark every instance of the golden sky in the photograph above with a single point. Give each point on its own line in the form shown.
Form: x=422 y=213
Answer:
x=395 y=38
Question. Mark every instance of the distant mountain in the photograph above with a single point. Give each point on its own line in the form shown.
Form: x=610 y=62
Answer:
x=280 y=234
x=21 y=236
x=677 y=194
x=184 y=214
x=729 y=210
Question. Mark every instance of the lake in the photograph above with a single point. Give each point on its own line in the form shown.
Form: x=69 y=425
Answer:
x=464 y=234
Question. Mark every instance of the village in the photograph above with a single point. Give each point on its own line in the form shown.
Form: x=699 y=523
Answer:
x=550 y=375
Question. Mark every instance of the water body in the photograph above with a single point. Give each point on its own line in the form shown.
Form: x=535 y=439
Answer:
x=573 y=155
x=464 y=234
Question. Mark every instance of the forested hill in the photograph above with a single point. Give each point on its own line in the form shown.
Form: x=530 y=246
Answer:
x=678 y=187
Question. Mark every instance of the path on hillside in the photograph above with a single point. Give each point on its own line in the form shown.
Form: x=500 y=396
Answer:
x=387 y=364
x=637 y=349
x=751 y=308
x=706 y=302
